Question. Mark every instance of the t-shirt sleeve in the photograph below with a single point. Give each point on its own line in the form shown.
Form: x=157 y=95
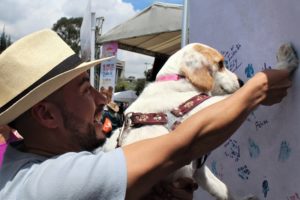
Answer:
x=78 y=176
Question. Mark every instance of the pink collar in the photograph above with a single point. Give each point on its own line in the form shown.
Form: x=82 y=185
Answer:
x=169 y=77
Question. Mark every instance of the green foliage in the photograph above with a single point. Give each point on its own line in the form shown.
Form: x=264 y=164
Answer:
x=69 y=30
x=140 y=85
x=5 y=41
x=125 y=84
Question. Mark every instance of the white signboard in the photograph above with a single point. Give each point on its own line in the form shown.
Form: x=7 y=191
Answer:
x=108 y=68
x=263 y=156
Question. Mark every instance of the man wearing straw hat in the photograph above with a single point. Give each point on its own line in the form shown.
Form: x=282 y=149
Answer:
x=47 y=97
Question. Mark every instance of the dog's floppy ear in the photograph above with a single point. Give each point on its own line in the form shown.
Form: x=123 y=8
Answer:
x=200 y=76
x=195 y=66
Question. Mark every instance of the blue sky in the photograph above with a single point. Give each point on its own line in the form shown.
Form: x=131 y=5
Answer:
x=141 y=4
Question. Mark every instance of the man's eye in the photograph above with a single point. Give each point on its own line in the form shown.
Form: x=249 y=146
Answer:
x=88 y=89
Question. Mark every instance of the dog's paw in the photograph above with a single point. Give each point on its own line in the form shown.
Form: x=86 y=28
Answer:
x=287 y=57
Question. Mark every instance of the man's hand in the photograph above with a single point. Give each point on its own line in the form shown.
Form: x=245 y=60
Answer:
x=278 y=84
x=181 y=189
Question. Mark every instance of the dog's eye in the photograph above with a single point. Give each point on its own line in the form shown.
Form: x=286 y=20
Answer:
x=221 y=65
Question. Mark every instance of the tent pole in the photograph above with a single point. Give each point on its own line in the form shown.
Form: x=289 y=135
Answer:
x=93 y=28
x=185 y=25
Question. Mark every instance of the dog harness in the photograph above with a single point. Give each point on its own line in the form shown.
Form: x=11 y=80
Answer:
x=169 y=119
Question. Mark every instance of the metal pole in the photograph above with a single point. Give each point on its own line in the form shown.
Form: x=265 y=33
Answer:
x=93 y=28
x=98 y=32
x=185 y=24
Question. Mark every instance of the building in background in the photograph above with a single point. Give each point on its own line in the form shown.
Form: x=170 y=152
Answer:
x=120 y=69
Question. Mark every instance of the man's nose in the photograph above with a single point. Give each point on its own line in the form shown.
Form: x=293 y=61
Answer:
x=100 y=99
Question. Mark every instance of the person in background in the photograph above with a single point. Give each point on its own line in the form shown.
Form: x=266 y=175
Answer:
x=56 y=110
x=110 y=91
x=121 y=111
x=104 y=91
x=112 y=113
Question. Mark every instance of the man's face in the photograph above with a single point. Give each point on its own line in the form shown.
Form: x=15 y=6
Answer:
x=81 y=113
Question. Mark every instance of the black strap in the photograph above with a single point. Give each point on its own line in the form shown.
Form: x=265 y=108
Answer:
x=201 y=161
x=67 y=64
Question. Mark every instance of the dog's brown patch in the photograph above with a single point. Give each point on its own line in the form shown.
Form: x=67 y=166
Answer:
x=212 y=55
x=205 y=83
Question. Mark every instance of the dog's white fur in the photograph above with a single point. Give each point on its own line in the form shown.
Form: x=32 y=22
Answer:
x=204 y=71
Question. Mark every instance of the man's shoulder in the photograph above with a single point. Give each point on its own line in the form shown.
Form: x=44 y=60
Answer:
x=15 y=160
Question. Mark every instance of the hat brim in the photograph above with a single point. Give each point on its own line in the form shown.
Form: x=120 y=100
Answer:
x=114 y=108
x=43 y=90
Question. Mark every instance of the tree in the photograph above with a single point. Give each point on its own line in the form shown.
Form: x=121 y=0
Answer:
x=69 y=30
x=148 y=74
x=123 y=84
x=5 y=41
x=140 y=85
x=137 y=84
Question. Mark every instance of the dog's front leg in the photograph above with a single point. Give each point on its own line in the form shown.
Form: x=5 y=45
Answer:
x=287 y=58
x=209 y=182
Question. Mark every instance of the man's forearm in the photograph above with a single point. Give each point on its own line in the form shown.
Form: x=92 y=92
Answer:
x=218 y=122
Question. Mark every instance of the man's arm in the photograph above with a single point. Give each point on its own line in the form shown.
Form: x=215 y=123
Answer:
x=151 y=160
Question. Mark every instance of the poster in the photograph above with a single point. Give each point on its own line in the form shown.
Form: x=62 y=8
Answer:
x=108 y=69
x=262 y=157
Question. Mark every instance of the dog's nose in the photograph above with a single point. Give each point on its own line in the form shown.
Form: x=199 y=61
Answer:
x=241 y=83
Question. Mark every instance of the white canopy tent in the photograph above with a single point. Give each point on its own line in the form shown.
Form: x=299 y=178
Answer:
x=154 y=31
x=127 y=96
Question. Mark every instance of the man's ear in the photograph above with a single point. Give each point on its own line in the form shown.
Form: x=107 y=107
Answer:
x=46 y=114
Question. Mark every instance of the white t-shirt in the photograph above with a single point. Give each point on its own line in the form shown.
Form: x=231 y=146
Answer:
x=71 y=176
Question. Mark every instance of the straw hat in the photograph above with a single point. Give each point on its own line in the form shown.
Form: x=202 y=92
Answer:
x=112 y=105
x=33 y=68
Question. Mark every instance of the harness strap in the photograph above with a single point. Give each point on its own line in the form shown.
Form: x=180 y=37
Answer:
x=189 y=105
x=140 y=119
x=171 y=119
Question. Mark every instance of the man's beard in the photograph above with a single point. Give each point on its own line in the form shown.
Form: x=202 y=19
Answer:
x=87 y=140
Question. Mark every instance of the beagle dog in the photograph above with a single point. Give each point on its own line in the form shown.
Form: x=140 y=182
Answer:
x=193 y=70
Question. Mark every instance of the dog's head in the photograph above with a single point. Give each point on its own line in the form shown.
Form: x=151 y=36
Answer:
x=204 y=67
